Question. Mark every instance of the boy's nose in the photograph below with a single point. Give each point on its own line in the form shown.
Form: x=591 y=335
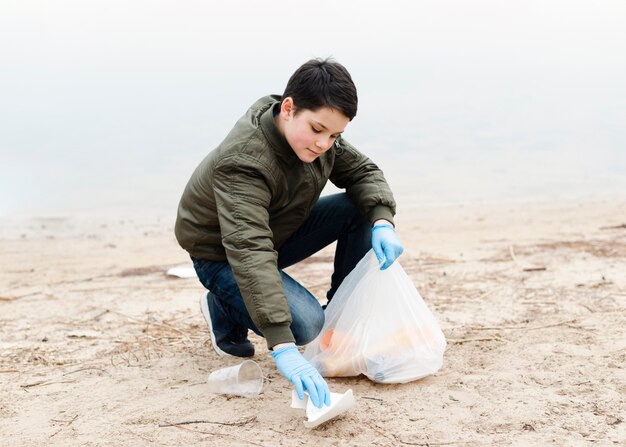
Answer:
x=322 y=143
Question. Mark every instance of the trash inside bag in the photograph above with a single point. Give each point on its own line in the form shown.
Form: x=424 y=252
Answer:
x=378 y=325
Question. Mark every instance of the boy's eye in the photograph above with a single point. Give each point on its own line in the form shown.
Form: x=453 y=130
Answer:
x=316 y=130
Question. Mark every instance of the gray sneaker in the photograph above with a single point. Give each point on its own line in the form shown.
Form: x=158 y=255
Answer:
x=223 y=341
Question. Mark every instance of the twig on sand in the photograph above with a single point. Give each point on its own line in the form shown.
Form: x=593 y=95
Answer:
x=379 y=430
x=527 y=328
x=372 y=398
x=213 y=433
x=465 y=340
x=155 y=323
x=562 y=323
x=139 y=435
x=56 y=433
x=97 y=317
x=614 y=227
x=537 y=302
x=278 y=431
x=488 y=292
x=87 y=368
x=67 y=423
x=534 y=269
x=45 y=382
x=432 y=443
x=236 y=423
x=17 y=297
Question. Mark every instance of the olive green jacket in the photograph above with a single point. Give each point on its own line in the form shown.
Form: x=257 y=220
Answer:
x=252 y=192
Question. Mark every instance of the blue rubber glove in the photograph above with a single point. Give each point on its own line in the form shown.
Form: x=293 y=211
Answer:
x=302 y=374
x=386 y=245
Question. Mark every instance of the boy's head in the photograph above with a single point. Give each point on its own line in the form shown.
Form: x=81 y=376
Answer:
x=322 y=83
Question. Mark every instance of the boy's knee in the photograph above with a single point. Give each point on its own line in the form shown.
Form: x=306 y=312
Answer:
x=305 y=331
x=356 y=219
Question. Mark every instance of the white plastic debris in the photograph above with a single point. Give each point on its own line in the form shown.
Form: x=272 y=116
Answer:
x=339 y=404
x=182 y=272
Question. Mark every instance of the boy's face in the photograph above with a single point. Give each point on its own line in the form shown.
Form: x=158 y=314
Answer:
x=310 y=133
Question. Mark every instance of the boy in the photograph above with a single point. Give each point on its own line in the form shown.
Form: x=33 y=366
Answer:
x=252 y=208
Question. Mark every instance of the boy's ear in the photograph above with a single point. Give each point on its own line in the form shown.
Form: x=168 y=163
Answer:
x=287 y=107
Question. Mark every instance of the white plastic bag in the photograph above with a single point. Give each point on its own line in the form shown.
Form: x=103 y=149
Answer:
x=378 y=325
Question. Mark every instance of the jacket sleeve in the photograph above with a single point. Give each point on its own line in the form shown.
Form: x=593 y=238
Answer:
x=363 y=181
x=243 y=196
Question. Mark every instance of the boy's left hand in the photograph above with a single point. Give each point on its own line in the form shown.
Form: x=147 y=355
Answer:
x=386 y=244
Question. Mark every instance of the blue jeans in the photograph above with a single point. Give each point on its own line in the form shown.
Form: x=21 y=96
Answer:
x=333 y=218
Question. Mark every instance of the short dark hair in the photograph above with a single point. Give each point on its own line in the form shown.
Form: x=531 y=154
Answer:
x=323 y=83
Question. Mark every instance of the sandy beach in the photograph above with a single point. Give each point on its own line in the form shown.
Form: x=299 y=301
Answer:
x=98 y=346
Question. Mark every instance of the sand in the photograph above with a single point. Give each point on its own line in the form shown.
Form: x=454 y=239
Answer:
x=99 y=347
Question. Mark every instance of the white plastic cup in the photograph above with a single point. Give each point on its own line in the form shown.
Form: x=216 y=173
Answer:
x=245 y=379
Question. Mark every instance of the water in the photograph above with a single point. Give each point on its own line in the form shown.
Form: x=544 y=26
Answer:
x=107 y=107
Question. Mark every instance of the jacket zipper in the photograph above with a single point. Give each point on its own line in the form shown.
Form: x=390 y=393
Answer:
x=315 y=186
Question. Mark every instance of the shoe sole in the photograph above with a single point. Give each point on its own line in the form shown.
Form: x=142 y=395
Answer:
x=204 y=307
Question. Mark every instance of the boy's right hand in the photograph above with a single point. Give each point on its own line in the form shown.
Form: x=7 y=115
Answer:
x=302 y=374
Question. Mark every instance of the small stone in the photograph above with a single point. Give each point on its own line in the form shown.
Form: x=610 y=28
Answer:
x=613 y=420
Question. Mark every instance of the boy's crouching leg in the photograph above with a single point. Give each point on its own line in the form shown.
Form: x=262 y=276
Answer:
x=307 y=316
x=306 y=329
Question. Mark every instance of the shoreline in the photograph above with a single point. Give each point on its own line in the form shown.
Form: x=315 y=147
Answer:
x=405 y=205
